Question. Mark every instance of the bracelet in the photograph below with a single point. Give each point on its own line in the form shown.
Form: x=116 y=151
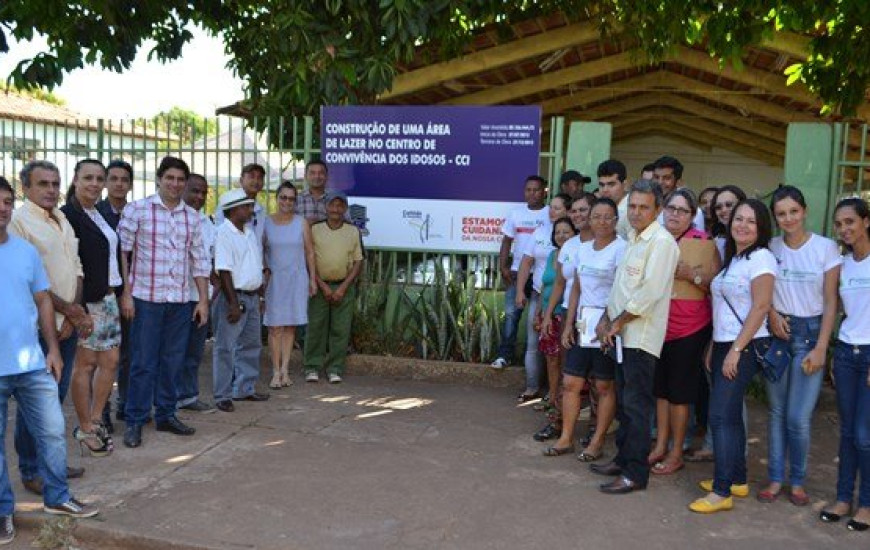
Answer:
x=737 y=349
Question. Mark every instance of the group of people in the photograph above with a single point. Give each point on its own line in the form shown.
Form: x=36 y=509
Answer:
x=660 y=308
x=100 y=290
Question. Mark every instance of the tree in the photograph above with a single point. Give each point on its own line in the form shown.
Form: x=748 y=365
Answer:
x=186 y=124
x=295 y=56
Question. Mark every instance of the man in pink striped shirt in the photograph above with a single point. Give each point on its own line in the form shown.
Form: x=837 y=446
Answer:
x=164 y=236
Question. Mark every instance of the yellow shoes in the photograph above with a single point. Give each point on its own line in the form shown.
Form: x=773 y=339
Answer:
x=704 y=506
x=741 y=491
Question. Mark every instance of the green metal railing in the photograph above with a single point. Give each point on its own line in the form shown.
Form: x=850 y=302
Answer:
x=850 y=165
x=283 y=146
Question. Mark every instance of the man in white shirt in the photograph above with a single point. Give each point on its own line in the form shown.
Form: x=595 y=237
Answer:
x=238 y=260
x=611 y=185
x=187 y=382
x=251 y=182
x=517 y=230
x=637 y=312
x=668 y=173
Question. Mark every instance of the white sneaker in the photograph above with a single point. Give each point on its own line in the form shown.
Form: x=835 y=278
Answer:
x=499 y=363
x=334 y=379
x=312 y=377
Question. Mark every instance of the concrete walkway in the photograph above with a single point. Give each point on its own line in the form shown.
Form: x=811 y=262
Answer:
x=381 y=463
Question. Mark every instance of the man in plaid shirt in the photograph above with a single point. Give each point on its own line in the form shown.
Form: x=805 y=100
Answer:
x=311 y=204
x=165 y=238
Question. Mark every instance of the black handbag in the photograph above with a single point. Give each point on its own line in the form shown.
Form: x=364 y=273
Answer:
x=772 y=354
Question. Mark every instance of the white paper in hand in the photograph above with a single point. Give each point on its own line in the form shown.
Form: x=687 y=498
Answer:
x=589 y=318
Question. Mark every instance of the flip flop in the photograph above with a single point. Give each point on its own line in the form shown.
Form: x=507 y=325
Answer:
x=666 y=469
x=768 y=497
x=556 y=451
x=651 y=460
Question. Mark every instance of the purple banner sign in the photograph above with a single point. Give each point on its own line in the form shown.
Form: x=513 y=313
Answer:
x=431 y=152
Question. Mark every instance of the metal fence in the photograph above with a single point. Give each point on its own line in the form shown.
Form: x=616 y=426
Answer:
x=219 y=150
x=850 y=173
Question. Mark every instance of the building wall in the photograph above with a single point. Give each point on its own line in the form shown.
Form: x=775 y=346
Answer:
x=703 y=167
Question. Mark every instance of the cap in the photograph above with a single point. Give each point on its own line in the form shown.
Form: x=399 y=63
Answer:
x=232 y=198
x=574 y=175
x=332 y=195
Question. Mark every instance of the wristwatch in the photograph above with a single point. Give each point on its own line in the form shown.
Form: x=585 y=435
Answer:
x=698 y=280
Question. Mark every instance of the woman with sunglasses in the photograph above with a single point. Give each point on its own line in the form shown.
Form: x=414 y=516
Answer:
x=288 y=261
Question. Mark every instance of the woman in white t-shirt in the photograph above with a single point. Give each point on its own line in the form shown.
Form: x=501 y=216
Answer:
x=742 y=294
x=593 y=278
x=534 y=261
x=852 y=366
x=804 y=312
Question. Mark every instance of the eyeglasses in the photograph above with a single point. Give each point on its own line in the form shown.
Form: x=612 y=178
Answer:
x=721 y=205
x=677 y=210
x=599 y=218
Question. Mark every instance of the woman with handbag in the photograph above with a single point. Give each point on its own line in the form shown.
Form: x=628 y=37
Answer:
x=678 y=371
x=802 y=319
x=852 y=366
x=742 y=294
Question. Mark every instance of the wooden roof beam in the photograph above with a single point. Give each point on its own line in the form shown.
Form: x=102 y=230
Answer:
x=789 y=43
x=705 y=137
x=585 y=96
x=492 y=58
x=681 y=103
x=671 y=133
x=546 y=81
x=710 y=127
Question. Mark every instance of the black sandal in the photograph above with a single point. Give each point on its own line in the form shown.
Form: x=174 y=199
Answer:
x=526 y=397
x=550 y=431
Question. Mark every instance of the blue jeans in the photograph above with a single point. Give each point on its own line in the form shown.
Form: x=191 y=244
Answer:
x=634 y=410
x=25 y=445
x=851 y=365
x=36 y=397
x=188 y=376
x=532 y=360
x=236 y=361
x=512 y=315
x=158 y=342
x=792 y=399
x=726 y=418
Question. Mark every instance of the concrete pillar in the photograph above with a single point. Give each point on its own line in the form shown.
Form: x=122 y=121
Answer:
x=588 y=146
x=809 y=153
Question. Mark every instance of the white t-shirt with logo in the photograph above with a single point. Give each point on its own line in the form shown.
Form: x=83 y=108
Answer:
x=539 y=248
x=520 y=225
x=597 y=270
x=800 y=277
x=855 y=294
x=568 y=257
x=735 y=283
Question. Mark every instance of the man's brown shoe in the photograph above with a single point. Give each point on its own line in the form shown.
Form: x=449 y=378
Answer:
x=33 y=485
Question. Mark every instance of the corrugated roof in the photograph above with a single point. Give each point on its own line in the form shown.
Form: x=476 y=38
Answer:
x=16 y=106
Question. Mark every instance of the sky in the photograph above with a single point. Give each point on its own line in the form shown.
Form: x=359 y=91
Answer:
x=198 y=80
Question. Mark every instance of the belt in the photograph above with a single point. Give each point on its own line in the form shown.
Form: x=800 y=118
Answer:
x=247 y=292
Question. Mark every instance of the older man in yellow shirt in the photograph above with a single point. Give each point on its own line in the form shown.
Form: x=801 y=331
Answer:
x=43 y=225
x=637 y=313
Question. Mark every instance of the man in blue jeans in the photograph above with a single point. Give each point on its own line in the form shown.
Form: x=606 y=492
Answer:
x=517 y=230
x=29 y=375
x=164 y=236
x=43 y=225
